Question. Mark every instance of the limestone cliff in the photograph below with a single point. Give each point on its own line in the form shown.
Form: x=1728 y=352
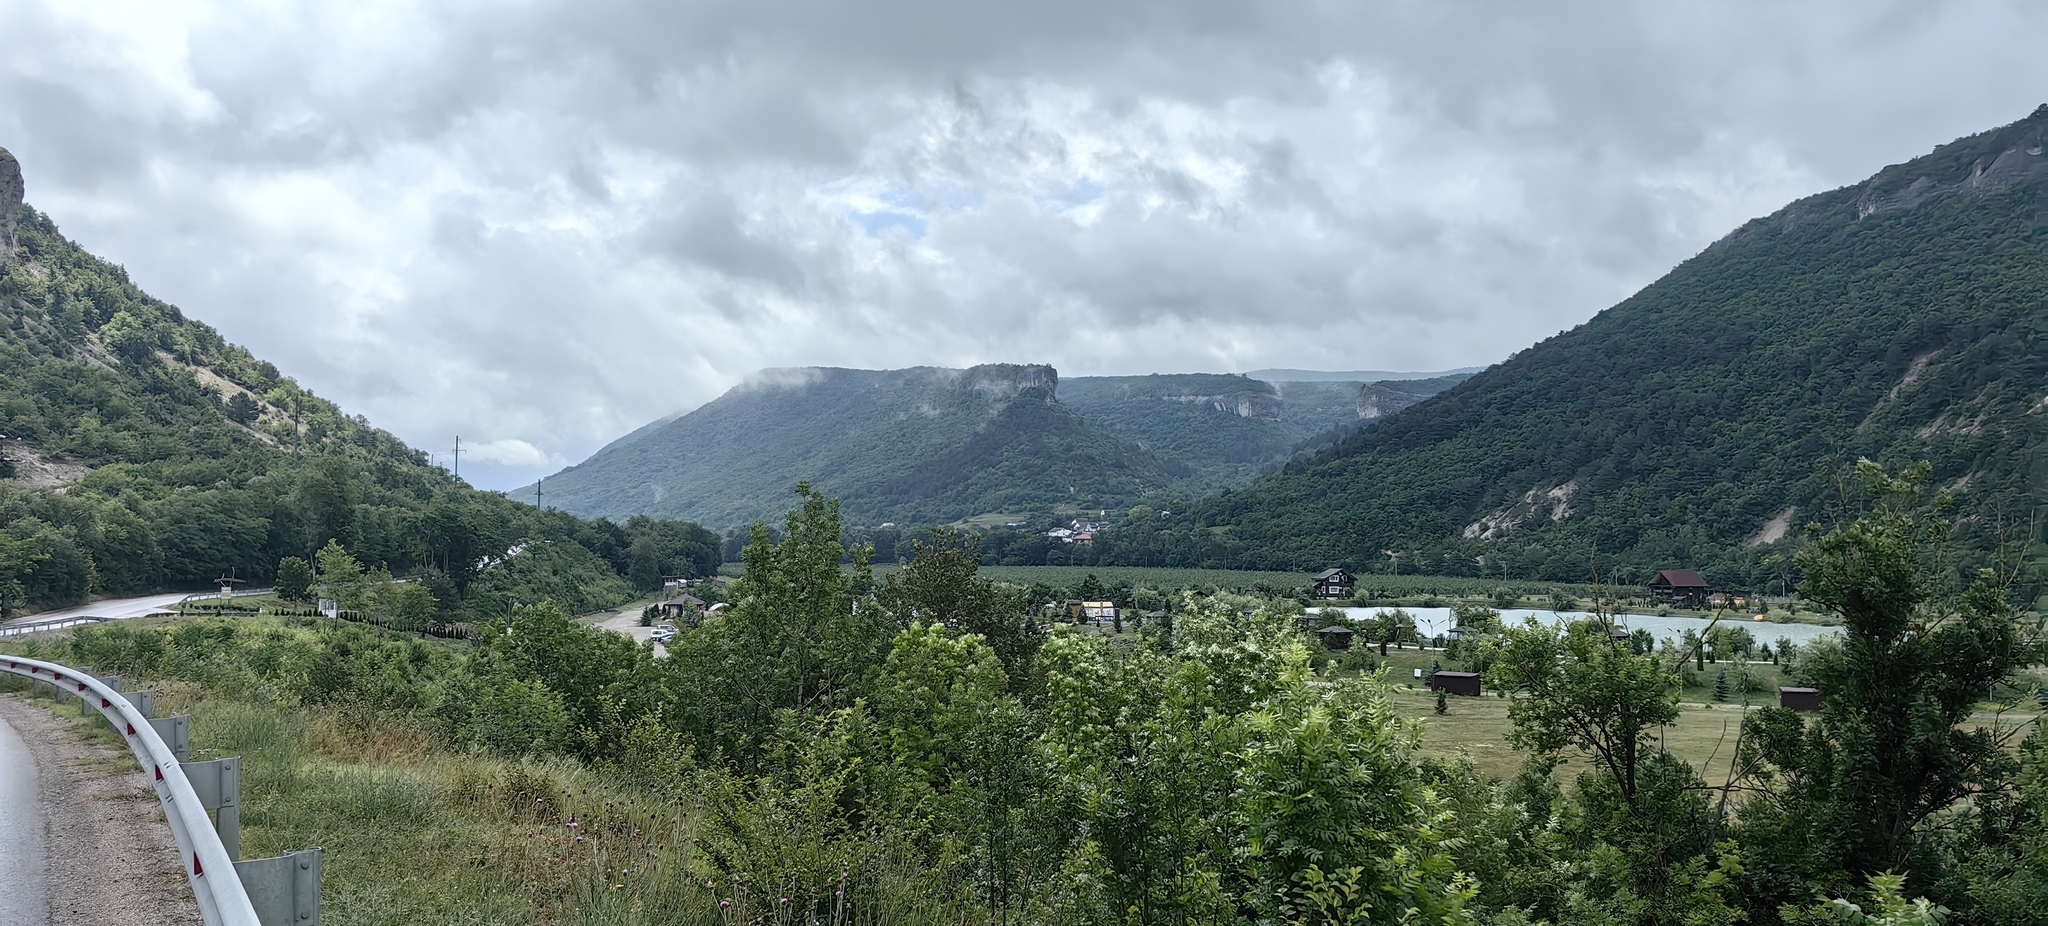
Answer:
x=10 y=203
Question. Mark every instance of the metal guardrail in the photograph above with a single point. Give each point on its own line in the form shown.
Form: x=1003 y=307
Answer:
x=53 y=624
x=216 y=877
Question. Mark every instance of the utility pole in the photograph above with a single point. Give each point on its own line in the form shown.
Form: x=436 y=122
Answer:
x=457 y=456
x=536 y=492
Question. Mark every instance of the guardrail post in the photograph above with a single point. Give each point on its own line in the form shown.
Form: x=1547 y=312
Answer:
x=144 y=701
x=284 y=890
x=219 y=786
x=177 y=733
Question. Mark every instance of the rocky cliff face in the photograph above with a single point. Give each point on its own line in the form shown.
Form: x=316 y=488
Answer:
x=10 y=203
x=1378 y=400
x=1263 y=406
x=998 y=380
x=2005 y=159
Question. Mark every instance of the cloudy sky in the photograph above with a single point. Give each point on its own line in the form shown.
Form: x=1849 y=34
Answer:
x=540 y=224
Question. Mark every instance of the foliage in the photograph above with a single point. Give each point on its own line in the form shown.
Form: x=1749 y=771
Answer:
x=818 y=754
x=1335 y=817
x=1891 y=749
x=294 y=579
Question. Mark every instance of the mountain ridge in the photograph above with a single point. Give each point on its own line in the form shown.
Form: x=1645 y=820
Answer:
x=938 y=445
x=1676 y=426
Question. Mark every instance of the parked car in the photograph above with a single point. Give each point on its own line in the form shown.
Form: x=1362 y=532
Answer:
x=664 y=633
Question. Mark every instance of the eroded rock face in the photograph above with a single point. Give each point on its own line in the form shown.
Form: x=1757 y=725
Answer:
x=10 y=202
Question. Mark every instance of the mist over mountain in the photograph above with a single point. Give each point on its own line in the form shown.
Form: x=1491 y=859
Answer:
x=933 y=445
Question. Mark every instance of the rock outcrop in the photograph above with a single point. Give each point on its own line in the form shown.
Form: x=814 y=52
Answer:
x=1378 y=400
x=10 y=203
x=2010 y=156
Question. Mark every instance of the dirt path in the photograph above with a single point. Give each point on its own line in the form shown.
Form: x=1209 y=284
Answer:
x=108 y=854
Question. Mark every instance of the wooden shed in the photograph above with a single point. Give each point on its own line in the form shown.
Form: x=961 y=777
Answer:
x=1457 y=683
x=1335 y=636
x=1805 y=700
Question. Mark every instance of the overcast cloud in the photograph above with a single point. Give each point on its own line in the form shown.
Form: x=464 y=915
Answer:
x=540 y=224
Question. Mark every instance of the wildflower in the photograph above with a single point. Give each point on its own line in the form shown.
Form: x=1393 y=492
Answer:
x=724 y=904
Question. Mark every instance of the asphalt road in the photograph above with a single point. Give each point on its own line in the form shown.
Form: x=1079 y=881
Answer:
x=21 y=836
x=112 y=609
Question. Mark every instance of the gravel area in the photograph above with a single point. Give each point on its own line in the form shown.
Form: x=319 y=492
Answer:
x=108 y=854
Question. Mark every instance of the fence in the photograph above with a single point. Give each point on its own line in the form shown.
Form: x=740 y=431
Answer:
x=282 y=891
x=53 y=624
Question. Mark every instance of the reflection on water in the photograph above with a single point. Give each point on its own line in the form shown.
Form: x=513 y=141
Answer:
x=1433 y=621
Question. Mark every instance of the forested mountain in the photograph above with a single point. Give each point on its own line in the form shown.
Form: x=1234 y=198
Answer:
x=1705 y=420
x=923 y=444
x=141 y=451
x=928 y=445
x=1230 y=428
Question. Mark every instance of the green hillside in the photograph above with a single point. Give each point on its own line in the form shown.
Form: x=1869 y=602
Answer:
x=1705 y=420
x=918 y=445
x=143 y=452
x=930 y=445
x=1230 y=428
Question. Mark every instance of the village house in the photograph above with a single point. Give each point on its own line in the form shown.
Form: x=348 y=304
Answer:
x=1685 y=588
x=682 y=607
x=1334 y=583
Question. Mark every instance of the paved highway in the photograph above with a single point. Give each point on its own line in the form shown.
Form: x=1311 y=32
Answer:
x=21 y=834
x=112 y=608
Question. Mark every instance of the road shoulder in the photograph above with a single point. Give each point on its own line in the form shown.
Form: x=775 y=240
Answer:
x=108 y=853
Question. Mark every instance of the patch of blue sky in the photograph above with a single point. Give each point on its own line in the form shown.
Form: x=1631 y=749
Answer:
x=879 y=223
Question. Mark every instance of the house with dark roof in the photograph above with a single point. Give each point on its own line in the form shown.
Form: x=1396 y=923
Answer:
x=1334 y=583
x=1685 y=588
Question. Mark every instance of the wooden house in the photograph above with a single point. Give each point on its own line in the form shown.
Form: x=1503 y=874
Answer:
x=1682 y=587
x=1335 y=637
x=1457 y=683
x=1334 y=583
x=1804 y=700
x=682 y=607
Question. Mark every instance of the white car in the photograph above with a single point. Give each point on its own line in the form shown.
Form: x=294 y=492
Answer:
x=664 y=633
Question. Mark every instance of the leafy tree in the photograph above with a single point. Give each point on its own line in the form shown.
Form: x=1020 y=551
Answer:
x=1585 y=693
x=940 y=585
x=1333 y=809
x=242 y=410
x=1891 y=748
x=341 y=577
x=294 y=579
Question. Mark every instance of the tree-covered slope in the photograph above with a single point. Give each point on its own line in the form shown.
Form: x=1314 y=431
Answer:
x=931 y=445
x=1709 y=416
x=139 y=450
x=1230 y=428
x=923 y=444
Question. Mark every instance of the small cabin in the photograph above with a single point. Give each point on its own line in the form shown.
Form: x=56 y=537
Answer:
x=1335 y=637
x=1334 y=583
x=682 y=605
x=1457 y=683
x=1685 y=588
x=1803 y=700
